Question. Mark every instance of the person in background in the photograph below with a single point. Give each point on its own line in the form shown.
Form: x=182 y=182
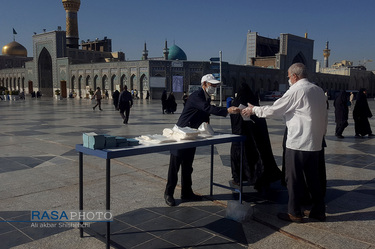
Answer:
x=98 y=96
x=305 y=111
x=341 y=113
x=197 y=110
x=115 y=97
x=125 y=102
x=229 y=102
x=351 y=99
x=184 y=98
x=171 y=103
x=361 y=114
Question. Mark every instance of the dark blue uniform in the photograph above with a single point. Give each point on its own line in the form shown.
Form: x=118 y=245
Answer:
x=124 y=103
x=197 y=110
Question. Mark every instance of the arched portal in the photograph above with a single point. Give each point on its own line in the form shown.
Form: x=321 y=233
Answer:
x=132 y=81
x=95 y=82
x=105 y=83
x=113 y=80
x=123 y=82
x=80 y=86
x=73 y=82
x=144 y=86
x=88 y=86
x=45 y=73
x=299 y=58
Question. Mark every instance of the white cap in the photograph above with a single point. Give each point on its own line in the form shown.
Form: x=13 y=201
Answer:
x=209 y=78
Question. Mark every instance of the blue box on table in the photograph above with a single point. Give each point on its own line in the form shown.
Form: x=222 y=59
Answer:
x=93 y=141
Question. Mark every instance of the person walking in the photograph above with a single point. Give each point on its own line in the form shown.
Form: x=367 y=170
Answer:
x=305 y=111
x=115 y=97
x=351 y=99
x=125 y=102
x=197 y=110
x=341 y=113
x=98 y=96
x=361 y=113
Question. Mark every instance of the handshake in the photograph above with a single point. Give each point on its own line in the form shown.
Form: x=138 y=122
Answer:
x=245 y=111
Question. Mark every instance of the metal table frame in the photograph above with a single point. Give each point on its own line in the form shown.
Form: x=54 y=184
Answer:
x=141 y=149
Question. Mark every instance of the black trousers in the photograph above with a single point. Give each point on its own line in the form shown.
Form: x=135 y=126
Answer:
x=183 y=158
x=125 y=110
x=340 y=127
x=302 y=170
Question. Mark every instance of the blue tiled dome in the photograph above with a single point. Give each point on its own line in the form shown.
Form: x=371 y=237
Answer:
x=176 y=53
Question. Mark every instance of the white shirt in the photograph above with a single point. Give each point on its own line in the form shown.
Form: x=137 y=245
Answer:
x=305 y=111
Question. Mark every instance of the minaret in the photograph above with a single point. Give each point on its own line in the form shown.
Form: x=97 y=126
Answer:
x=71 y=7
x=326 y=53
x=165 y=51
x=145 y=53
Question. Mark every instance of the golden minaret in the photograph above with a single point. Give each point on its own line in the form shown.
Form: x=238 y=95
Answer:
x=71 y=7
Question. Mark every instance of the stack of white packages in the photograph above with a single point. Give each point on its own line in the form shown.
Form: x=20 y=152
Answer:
x=181 y=133
x=155 y=139
x=176 y=134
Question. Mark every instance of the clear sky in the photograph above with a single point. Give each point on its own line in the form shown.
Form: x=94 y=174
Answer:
x=202 y=28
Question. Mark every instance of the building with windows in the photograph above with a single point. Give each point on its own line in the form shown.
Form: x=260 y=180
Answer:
x=58 y=62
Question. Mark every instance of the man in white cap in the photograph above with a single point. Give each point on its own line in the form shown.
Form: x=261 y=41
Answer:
x=196 y=111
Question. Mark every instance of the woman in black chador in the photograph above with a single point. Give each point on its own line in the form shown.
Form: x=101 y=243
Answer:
x=361 y=113
x=341 y=113
x=259 y=166
x=171 y=103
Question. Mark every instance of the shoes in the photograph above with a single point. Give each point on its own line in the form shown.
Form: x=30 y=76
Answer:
x=289 y=217
x=234 y=183
x=191 y=197
x=169 y=200
x=320 y=217
x=93 y=108
x=371 y=135
x=125 y=122
x=358 y=136
x=306 y=213
x=101 y=109
x=339 y=136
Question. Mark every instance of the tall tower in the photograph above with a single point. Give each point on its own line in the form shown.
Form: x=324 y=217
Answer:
x=145 y=53
x=326 y=53
x=165 y=51
x=71 y=7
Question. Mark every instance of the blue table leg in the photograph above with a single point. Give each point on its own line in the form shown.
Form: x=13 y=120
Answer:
x=81 y=191
x=241 y=167
x=108 y=201
x=212 y=170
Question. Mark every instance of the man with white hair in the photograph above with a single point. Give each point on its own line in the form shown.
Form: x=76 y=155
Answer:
x=197 y=110
x=304 y=108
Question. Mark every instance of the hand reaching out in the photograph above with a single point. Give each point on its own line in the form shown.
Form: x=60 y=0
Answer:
x=248 y=110
x=233 y=110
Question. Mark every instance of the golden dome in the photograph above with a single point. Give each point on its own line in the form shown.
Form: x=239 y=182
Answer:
x=15 y=49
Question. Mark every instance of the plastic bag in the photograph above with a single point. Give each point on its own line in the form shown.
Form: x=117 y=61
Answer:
x=206 y=129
